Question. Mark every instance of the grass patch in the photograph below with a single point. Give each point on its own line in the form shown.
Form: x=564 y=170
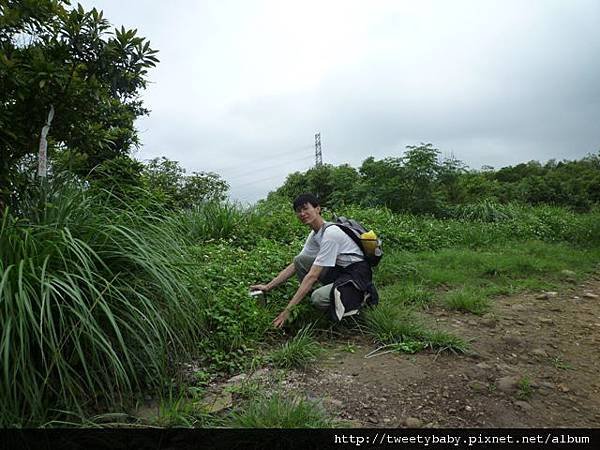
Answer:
x=408 y=294
x=298 y=352
x=501 y=269
x=524 y=388
x=279 y=411
x=398 y=329
x=444 y=341
x=560 y=363
x=469 y=300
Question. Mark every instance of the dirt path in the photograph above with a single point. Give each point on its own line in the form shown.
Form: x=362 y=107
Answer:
x=550 y=343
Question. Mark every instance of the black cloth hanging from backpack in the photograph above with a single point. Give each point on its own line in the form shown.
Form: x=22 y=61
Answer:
x=352 y=289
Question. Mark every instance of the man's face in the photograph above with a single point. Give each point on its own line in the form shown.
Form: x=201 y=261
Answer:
x=307 y=213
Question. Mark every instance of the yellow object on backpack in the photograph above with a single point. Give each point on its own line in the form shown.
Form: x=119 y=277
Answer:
x=369 y=241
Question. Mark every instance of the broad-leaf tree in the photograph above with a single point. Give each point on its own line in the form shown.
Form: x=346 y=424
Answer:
x=54 y=56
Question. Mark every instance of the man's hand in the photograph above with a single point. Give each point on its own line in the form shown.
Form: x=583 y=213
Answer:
x=281 y=318
x=259 y=287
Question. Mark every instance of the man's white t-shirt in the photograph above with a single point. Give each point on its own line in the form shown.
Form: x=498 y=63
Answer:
x=330 y=246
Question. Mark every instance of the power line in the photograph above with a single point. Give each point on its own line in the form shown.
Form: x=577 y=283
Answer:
x=258 y=161
x=242 y=175
x=257 y=181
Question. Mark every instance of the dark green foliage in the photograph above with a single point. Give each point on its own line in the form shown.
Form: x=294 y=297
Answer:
x=55 y=55
x=169 y=184
x=418 y=182
x=421 y=182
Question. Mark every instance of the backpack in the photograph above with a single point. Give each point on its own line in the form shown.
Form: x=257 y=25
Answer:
x=367 y=241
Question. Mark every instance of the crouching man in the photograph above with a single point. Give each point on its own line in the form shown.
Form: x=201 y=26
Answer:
x=331 y=257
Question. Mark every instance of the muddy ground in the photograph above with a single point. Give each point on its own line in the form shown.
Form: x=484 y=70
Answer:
x=534 y=362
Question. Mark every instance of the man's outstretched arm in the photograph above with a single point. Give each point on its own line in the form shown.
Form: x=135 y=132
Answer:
x=281 y=278
x=307 y=283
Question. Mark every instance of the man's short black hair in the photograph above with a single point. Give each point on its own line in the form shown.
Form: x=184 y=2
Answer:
x=303 y=199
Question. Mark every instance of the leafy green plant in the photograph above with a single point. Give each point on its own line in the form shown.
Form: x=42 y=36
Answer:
x=350 y=347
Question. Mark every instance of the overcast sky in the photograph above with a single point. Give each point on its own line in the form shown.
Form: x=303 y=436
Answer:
x=243 y=86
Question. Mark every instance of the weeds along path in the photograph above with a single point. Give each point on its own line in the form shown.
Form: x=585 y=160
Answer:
x=534 y=363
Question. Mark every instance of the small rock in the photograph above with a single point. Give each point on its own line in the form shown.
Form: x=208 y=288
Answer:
x=472 y=323
x=507 y=384
x=386 y=420
x=546 y=295
x=575 y=297
x=546 y=320
x=505 y=367
x=490 y=323
x=335 y=402
x=539 y=352
x=517 y=307
x=373 y=420
x=511 y=340
x=237 y=379
x=547 y=384
x=413 y=422
x=452 y=411
x=568 y=273
x=218 y=403
x=468 y=408
x=477 y=386
x=590 y=295
x=523 y=405
x=260 y=373
x=563 y=387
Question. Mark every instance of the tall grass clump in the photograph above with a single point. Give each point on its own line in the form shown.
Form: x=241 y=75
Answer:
x=396 y=328
x=468 y=300
x=95 y=304
x=298 y=352
x=278 y=411
x=485 y=211
x=212 y=220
